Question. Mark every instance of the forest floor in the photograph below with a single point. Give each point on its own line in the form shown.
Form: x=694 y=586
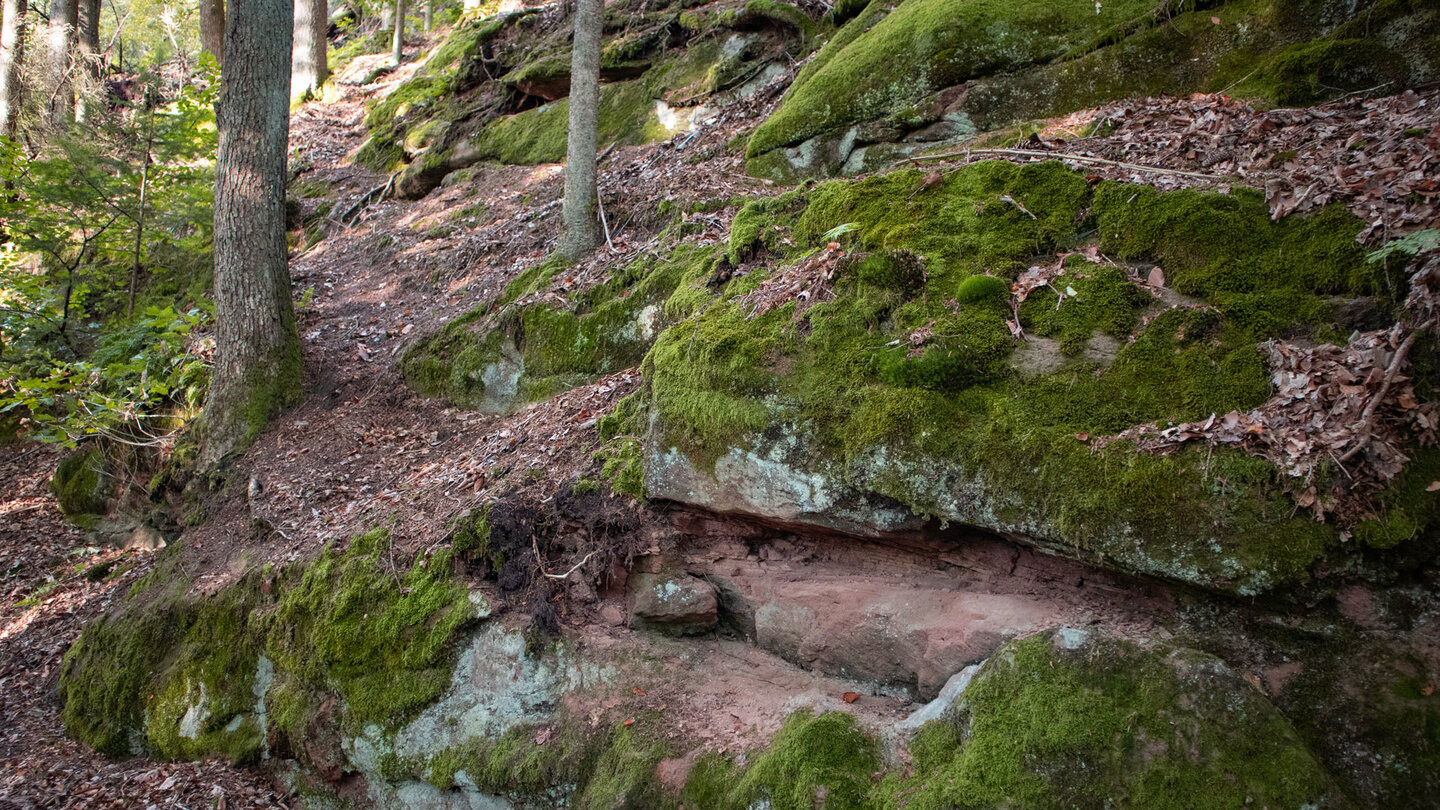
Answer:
x=362 y=450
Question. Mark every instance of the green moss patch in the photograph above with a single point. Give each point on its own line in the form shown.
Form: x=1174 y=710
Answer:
x=533 y=352
x=626 y=117
x=80 y=483
x=381 y=642
x=1048 y=722
x=181 y=675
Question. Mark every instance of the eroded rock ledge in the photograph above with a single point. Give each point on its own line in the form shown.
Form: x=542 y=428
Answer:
x=433 y=688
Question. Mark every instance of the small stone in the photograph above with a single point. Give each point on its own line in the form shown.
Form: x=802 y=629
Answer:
x=676 y=605
x=612 y=615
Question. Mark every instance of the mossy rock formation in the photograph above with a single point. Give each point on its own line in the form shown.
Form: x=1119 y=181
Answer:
x=179 y=675
x=496 y=89
x=901 y=76
x=901 y=396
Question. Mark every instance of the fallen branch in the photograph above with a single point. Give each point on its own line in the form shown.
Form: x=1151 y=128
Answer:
x=1367 y=416
x=1034 y=153
x=374 y=195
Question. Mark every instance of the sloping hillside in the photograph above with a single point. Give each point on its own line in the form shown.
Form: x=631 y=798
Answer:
x=972 y=404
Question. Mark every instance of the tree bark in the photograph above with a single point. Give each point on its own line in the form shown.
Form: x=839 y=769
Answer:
x=309 y=67
x=12 y=43
x=60 y=92
x=397 y=45
x=212 y=28
x=429 y=14
x=579 y=208
x=257 y=347
x=87 y=53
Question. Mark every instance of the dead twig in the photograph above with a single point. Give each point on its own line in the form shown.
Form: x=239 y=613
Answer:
x=1367 y=416
x=1035 y=153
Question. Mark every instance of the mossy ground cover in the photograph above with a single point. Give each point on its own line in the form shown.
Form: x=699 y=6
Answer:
x=1109 y=723
x=174 y=673
x=880 y=413
x=569 y=764
x=549 y=349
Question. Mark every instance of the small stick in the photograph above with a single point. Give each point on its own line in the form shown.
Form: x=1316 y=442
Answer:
x=1067 y=156
x=599 y=203
x=1367 y=417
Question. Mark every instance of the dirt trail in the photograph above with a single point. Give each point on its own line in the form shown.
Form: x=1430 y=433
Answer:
x=360 y=450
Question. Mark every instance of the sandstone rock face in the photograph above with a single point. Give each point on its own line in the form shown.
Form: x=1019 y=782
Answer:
x=677 y=605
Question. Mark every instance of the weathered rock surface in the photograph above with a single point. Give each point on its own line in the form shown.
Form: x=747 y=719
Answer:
x=678 y=605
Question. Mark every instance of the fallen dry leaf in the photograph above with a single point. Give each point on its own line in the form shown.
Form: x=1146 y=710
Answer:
x=850 y=697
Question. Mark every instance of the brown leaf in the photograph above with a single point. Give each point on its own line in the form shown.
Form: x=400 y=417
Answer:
x=850 y=697
x=629 y=721
x=1434 y=487
x=1157 y=277
x=1082 y=436
x=638 y=692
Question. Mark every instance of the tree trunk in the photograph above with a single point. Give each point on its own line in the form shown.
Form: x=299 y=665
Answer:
x=12 y=42
x=212 y=28
x=308 y=64
x=397 y=46
x=87 y=53
x=429 y=14
x=60 y=93
x=579 y=209
x=257 y=348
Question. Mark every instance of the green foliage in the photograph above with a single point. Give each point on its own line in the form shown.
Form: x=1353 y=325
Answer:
x=99 y=295
x=138 y=381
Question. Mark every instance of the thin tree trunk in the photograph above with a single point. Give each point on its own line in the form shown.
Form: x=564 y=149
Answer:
x=140 y=217
x=429 y=14
x=309 y=66
x=257 y=348
x=212 y=28
x=12 y=43
x=397 y=46
x=87 y=52
x=60 y=98
x=579 y=208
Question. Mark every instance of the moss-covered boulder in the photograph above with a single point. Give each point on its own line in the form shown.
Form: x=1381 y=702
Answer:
x=892 y=390
x=81 y=485
x=892 y=82
x=1075 y=719
x=179 y=674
